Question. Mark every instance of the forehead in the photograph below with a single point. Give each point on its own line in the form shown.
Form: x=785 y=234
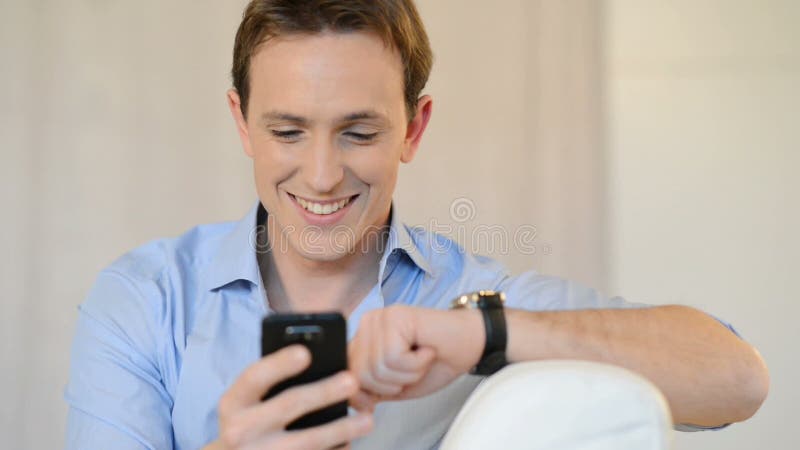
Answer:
x=326 y=73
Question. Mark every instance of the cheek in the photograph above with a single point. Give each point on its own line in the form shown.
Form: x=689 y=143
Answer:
x=271 y=164
x=377 y=167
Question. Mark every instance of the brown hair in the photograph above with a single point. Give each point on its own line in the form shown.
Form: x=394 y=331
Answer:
x=397 y=22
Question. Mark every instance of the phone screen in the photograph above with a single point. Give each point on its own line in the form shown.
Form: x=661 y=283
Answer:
x=325 y=336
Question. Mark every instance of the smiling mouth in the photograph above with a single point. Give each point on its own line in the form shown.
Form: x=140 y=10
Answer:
x=323 y=208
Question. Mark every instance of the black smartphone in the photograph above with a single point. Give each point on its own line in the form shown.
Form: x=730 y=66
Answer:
x=325 y=336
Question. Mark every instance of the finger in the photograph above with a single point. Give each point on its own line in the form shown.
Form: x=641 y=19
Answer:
x=396 y=363
x=380 y=388
x=405 y=369
x=438 y=377
x=255 y=381
x=274 y=414
x=412 y=361
x=388 y=384
x=329 y=435
x=298 y=401
x=363 y=401
x=360 y=365
x=383 y=374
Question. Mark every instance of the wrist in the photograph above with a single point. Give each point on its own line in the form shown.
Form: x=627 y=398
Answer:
x=491 y=306
x=472 y=335
x=457 y=336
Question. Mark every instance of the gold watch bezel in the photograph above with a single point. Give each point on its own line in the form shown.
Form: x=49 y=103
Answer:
x=470 y=300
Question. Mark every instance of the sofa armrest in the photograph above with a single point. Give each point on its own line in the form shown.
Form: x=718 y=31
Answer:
x=562 y=405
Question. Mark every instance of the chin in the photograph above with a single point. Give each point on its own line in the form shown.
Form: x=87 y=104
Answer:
x=325 y=255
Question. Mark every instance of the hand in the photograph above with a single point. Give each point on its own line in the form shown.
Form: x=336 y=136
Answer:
x=403 y=352
x=245 y=422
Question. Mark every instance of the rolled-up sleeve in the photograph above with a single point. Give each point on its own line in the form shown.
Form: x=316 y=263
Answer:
x=115 y=392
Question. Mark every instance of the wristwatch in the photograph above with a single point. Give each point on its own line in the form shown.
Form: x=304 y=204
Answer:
x=491 y=305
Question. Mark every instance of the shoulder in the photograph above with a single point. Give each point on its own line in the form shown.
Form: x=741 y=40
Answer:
x=146 y=287
x=463 y=271
x=160 y=258
x=448 y=260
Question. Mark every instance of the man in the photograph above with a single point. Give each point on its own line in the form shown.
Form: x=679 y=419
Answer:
x=327 y=104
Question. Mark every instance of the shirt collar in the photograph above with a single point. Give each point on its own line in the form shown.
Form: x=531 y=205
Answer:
x=236 y=256
x=400 y=239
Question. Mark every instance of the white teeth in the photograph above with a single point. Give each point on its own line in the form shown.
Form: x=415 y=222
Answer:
x=318 y=208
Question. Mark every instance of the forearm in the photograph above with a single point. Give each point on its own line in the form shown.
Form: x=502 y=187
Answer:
x=708 y=375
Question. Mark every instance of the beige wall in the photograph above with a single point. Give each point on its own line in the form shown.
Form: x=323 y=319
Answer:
x=517 y=128
x=114 y=132
x=703 y=103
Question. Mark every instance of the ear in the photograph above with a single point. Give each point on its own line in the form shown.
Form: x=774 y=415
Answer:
x=235 y=105
x=416 y=128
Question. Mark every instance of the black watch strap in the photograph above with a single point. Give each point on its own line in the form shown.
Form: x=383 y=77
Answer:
x=494 y=321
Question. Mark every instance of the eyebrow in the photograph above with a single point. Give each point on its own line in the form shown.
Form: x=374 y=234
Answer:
x=279 y=116
x=360 y=115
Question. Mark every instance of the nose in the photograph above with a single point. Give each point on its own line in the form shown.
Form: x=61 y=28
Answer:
x=324 y=169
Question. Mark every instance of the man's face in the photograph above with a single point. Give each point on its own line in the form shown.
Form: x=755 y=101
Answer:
x=327 y=128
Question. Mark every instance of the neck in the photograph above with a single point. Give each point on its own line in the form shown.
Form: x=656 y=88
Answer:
x=295 y=283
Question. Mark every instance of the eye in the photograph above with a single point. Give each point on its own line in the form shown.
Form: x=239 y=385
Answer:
x=361 y=137
x=287 y=135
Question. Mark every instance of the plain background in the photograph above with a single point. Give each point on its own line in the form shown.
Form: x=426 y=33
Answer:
x=703 y=106
x=651 y=144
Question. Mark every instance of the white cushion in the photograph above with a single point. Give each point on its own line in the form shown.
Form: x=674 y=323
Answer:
x=562 y=405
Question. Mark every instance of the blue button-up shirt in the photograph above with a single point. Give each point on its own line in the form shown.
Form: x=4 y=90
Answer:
x=168 y=327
